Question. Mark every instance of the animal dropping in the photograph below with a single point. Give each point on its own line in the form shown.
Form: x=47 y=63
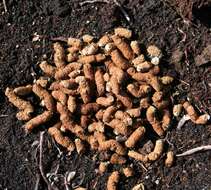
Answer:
x=104 y=95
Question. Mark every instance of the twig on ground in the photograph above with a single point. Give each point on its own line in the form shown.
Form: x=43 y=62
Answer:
x=167 y=140
x=40 y=160
x=182 y=81
x=186 y=60
x=107 y=1
x=123 y=11
x=5 y=5
x=57 y=169
x=182 y=121
x=195 y=150
x=183 y=33
x=93 y=1
x=60 y=38
x=74 y=186
x=37 y=182
x=142 y=165
x=58 y=149
x=65 y=181
x=3 y=115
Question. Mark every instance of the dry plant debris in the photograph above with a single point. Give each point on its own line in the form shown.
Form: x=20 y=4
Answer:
x=204 y=57
x=108 y=94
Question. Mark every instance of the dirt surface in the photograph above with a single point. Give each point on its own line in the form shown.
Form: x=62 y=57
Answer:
x=152 y=21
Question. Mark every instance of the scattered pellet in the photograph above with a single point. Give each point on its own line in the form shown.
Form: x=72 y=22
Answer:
x=113 y=181
x=169 y=159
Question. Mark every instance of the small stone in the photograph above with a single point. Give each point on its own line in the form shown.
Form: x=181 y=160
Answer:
x=157 y=181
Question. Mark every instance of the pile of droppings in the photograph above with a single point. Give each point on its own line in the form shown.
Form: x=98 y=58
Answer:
x=111 y=96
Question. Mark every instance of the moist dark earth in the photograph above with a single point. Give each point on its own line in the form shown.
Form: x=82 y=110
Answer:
x=158 y=22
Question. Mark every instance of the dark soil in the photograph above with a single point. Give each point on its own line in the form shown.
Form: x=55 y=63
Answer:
x=152 y=21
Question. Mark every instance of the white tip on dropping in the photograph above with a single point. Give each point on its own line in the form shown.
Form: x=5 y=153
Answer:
x=90 y=127
x=42 y=103
x=139 y=68
x=80 y=79
x=155 y=60
x=62 y=129
x=129 y=121
x=120 y=138
x=111 y=98
x=108 y=87
x=109 y=47
x=207 y=116
x=116 y=132
x=89 y=50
